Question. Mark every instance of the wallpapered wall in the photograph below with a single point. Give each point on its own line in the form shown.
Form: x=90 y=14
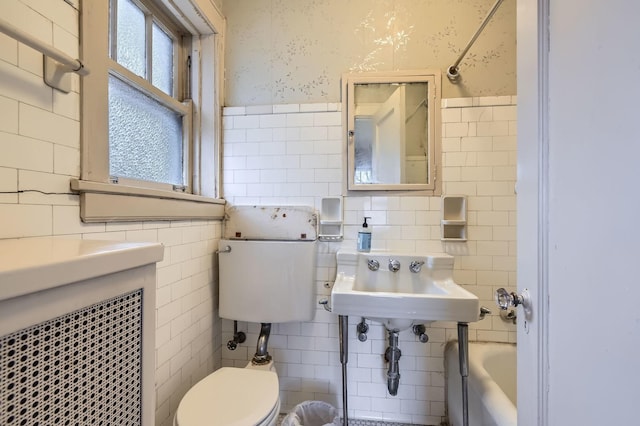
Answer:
x=292 y=51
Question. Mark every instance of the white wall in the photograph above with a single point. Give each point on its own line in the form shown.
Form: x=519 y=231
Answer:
x=293 y=154
x=40 y=150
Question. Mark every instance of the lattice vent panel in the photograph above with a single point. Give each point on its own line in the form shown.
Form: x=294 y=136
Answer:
x=81 y=368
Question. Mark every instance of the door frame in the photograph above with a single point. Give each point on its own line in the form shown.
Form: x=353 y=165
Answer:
x=532 y=206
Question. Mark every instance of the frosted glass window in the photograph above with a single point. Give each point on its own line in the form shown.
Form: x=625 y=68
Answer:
x=162 y=60
x=145 y=137
x=131 y=38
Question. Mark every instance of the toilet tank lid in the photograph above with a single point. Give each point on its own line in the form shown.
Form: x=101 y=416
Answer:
x=285 y=223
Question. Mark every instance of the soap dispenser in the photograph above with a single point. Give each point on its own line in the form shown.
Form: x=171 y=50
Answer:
x=364 y=237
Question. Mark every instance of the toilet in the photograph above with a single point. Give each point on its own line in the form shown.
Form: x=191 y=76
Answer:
x=267 y=263
x=233 y=397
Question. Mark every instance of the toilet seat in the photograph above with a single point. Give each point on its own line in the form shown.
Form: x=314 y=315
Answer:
x=231 y=397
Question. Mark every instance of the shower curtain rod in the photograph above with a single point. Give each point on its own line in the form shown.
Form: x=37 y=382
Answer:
x=452 y=71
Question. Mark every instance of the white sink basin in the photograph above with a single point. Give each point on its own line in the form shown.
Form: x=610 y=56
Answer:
x=402 y=298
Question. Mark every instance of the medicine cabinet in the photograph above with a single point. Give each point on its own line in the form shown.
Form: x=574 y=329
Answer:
x=393 y=130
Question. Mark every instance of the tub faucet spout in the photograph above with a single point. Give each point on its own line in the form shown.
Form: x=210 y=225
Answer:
x=484 y=311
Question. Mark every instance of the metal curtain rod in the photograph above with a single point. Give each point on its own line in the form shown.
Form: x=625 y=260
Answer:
x=452 y=71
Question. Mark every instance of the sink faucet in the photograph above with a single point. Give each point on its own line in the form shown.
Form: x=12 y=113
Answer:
x=415 y=266
x=373 y=264
x=394 y=265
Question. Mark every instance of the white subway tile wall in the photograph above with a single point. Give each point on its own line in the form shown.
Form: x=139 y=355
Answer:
x=293 y=154
x=40 y=150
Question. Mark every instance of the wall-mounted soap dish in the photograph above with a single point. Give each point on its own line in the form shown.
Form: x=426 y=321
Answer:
x=331 y=219
x=453 y=225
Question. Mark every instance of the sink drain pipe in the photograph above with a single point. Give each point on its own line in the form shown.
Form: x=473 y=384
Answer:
x=392 y=355
x=463 y=357
x=343 y=335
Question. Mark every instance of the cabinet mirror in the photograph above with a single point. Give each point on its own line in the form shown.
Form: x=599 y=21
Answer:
x=393 y=130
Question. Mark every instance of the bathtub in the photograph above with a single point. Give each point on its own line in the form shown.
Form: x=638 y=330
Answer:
x=492 y=384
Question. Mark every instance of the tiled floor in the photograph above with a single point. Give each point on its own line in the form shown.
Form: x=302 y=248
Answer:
x=357 y=422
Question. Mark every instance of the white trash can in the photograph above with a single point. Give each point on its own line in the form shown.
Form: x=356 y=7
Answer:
x=312 y=413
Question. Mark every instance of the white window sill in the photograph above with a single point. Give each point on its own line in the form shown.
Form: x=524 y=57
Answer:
x=104 y=202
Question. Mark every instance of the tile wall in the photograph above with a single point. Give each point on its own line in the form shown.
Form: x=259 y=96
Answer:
x=293 y=154
x=40 y=150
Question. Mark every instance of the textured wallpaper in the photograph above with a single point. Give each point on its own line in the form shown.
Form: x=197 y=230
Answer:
x=295 y=51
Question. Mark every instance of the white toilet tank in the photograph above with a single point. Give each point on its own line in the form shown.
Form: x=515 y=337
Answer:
x=267 y=264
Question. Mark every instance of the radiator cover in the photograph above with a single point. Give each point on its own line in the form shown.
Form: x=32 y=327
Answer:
x=80 y=368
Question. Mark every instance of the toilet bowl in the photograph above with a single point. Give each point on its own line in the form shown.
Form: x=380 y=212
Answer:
x=231 y=397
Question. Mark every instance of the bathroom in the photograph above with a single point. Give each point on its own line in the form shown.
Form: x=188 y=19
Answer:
x=291 y=153
x=40 y=148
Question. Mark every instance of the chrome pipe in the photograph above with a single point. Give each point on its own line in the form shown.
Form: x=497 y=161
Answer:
x=343 y=335
x=452 y=71
x=238 y=337
x=392 y=355
x=262 y=354
x=463 y=351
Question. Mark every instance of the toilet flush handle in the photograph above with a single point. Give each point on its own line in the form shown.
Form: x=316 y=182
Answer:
x=226 y=249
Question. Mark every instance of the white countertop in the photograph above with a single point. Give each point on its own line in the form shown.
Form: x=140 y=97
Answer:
x=35 y=264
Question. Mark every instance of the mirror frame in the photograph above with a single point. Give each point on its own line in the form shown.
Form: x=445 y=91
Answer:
x=433 y=80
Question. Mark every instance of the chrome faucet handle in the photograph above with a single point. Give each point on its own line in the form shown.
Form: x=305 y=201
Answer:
x=416 y=265
x=373 y=265
x=394 y=265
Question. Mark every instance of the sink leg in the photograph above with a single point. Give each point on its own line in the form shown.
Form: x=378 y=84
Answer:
x=463 y=352
x=343 y=334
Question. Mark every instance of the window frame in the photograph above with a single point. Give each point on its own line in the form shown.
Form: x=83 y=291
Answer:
x=178 y=101
x=166 y=24
x=102 y=199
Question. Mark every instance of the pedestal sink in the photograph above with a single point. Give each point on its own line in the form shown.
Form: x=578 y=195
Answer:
x=400 y=289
